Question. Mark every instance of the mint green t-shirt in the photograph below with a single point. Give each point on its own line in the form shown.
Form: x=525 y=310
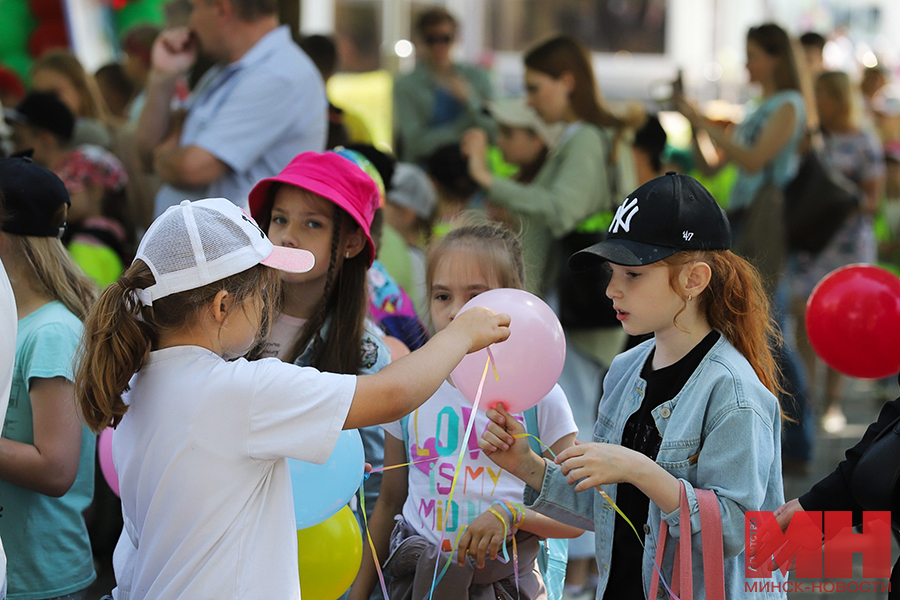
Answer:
x=46 y=540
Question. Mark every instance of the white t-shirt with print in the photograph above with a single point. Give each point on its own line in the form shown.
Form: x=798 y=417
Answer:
x=206 y=493
x=285 y=330
x=436 y=430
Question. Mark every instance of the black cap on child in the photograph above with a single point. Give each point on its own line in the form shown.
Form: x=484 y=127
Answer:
x=44 y=111
x=32 y=196
x=664 y=216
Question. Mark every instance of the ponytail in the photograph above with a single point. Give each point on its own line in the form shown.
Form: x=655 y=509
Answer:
x=116 y=344
x=736 y=304
x=120 y=332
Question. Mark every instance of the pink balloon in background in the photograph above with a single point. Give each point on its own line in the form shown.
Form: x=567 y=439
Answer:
x=528 y=364
x=104 y=453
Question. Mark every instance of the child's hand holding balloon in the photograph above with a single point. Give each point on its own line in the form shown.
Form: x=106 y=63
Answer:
x=481 y=327
x=504 y=442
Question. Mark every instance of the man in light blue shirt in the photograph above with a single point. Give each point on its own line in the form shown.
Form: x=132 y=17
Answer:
x=261 y=105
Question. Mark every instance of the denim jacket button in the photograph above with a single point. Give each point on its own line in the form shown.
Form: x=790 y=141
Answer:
x=661 y=592
x=646 y=529
x=665 y=412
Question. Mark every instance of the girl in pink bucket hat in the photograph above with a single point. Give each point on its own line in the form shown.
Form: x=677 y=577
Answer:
x=324 y=203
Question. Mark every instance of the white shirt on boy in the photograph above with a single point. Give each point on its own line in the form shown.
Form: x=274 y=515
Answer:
x=435 y=430
x=206 y=493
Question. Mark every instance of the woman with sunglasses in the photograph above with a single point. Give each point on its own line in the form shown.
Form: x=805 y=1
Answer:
x=439 y=100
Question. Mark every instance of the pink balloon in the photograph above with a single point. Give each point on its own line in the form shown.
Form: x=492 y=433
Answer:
x=528 y=363
x=104 y=453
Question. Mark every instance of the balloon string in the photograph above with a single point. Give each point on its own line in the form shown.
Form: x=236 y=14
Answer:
x=505 y=558
x=515 y=564
x=615 y=507
x=459 y=461
x=362 y=504
x=406 y=464
x=527 y=435
x=493 y=363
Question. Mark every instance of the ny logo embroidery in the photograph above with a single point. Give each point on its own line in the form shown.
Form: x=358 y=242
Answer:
x=624 y=214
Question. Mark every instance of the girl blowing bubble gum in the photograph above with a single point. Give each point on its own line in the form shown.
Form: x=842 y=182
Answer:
x=485 y=508
x=693 y=404
x=201 y=440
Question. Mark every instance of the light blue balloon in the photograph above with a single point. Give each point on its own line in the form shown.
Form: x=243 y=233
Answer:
x=322 y=490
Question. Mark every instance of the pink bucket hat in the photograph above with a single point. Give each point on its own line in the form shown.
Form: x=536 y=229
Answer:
x=334 y=178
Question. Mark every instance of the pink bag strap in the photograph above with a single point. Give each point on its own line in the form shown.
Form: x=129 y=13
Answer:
x=713 y=544
x=713 y=549
x=660 y=551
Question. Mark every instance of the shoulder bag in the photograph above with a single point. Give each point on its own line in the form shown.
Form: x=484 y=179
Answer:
x=817 y=202
x=760 y=233
x=713 y=549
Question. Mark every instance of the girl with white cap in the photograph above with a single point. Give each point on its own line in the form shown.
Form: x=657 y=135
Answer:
x=201 y=440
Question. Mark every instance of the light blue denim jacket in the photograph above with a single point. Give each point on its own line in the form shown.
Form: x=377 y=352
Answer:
x=722 y=432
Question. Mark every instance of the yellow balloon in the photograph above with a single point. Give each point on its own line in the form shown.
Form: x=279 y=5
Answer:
x=330 y=556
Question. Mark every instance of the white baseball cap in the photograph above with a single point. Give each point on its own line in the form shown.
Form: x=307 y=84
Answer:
x=197 y=243
x=515 y=112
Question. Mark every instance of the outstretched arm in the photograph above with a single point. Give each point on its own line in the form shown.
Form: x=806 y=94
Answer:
x=404 y=385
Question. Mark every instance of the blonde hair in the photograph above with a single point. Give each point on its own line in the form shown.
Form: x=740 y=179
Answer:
x=494 y=242
x=66 y=64
x=120 y=332
x=55 y=273
x=838 y=86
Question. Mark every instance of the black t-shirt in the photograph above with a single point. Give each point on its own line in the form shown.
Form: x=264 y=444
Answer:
x=640 y=434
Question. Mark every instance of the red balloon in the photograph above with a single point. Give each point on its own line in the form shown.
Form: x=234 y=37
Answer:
x=47 y=36
x=853 y=321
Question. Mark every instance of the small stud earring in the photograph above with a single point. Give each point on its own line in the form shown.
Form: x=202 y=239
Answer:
x=346 y=255
x=690 y=297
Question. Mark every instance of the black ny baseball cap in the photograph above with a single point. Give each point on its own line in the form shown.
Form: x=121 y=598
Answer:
x=44 y=111
x=665 y=215
x=32 y=196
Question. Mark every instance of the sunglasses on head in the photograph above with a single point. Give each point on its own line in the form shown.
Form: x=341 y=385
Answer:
x=433 y=40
